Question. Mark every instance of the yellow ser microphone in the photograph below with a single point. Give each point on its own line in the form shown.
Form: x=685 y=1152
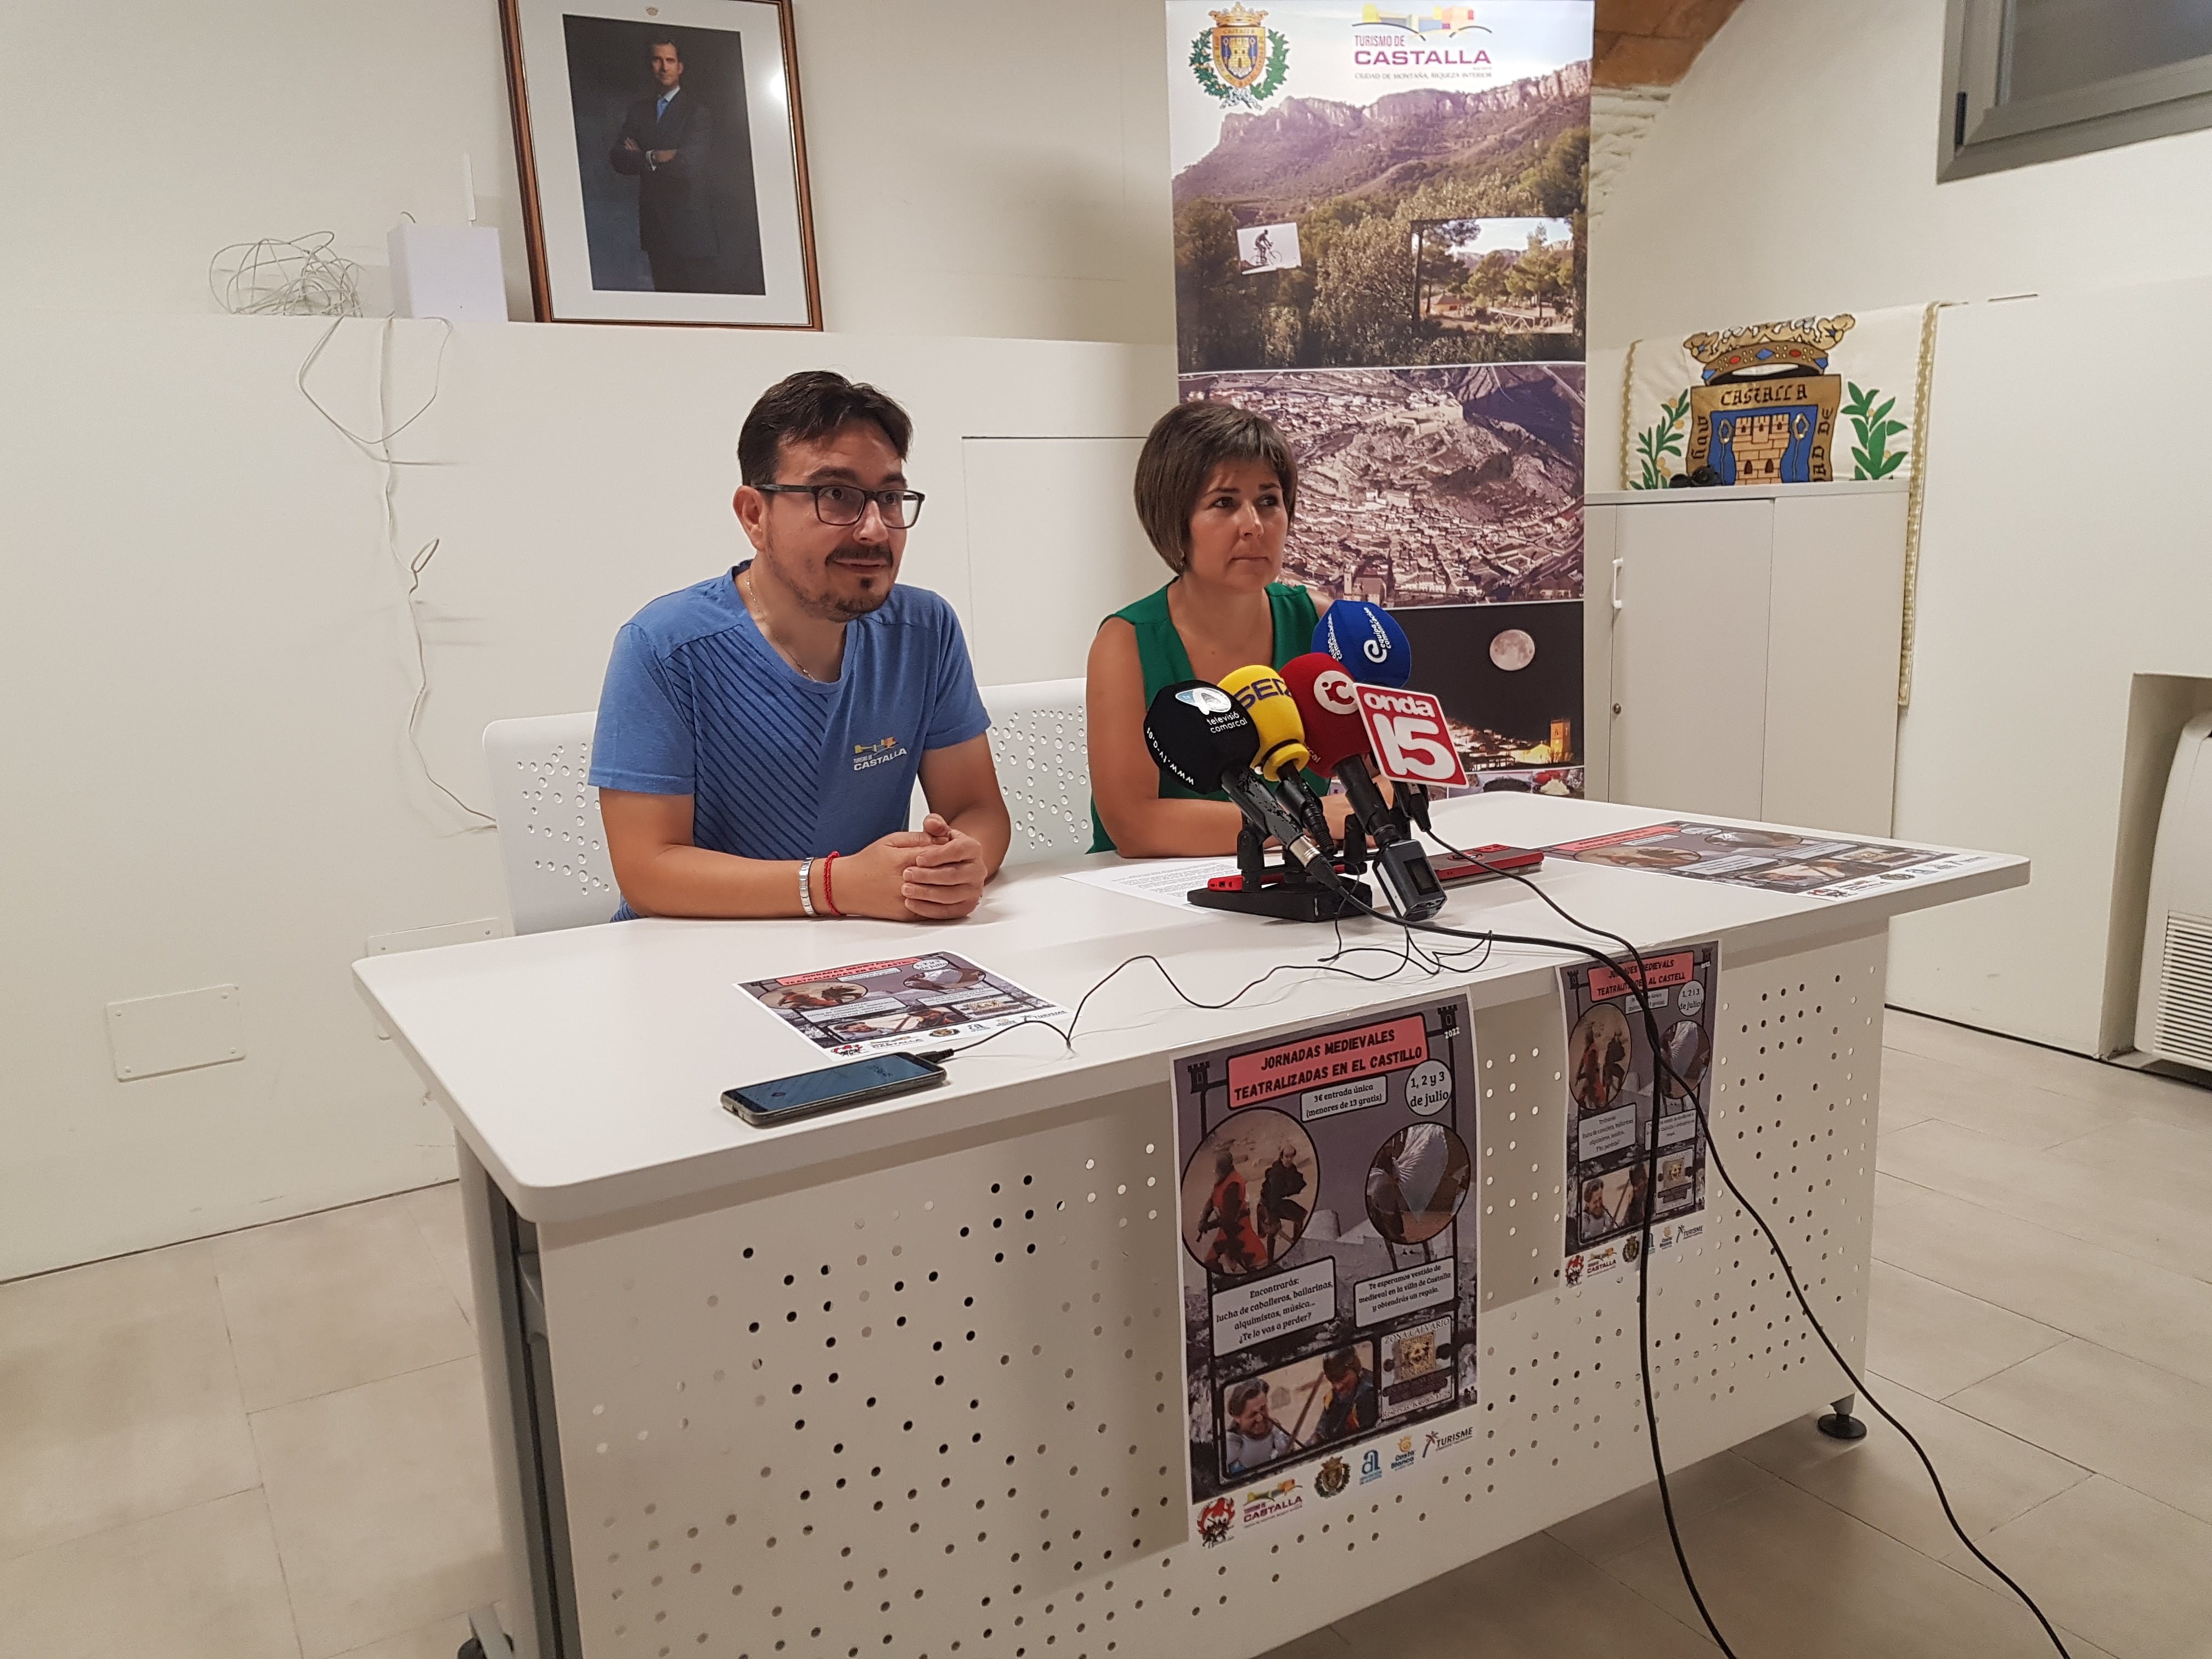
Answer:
x=1281 y=754
x=1261 y=693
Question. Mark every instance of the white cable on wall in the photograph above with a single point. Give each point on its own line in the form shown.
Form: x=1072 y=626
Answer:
x=275 y=277
x=378 y=448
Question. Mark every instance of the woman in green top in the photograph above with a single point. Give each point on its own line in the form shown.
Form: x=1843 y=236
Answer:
x=1216 y=488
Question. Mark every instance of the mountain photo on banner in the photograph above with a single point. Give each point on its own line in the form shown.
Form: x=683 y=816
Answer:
x=1428 y=486
x=1417 y=185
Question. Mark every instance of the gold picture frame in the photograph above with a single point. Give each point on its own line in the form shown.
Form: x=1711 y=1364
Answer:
x=662 y=157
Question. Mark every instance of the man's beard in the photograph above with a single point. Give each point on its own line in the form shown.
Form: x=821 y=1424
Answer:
x=826 y=605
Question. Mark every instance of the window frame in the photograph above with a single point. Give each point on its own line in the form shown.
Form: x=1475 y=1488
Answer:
x=1978 y=135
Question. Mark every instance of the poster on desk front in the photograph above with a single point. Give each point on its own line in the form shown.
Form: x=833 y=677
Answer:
x=1328 y=1256
x=1621 y=1096
x=1381 y=223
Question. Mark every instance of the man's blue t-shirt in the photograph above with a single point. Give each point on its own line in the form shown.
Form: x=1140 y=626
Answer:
x=779 y=766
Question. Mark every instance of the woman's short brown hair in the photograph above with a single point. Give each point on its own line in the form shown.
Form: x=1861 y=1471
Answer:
x=1181 y=452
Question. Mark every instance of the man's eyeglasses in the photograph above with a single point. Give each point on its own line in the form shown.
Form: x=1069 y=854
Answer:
x=843 y=505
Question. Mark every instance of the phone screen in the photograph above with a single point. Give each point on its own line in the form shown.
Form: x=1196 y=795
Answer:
x=811 y=1091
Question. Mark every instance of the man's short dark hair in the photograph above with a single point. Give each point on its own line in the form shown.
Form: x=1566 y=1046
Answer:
x=667 y=40
x=1180 y=453
x=810 y=405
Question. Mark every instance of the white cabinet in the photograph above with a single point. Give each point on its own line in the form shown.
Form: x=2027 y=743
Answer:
x=1741 y=651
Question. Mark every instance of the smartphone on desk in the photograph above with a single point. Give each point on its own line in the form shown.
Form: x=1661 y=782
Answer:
x=833 y=1088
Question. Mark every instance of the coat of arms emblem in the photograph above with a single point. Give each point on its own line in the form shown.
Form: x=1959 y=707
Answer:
x=1767 y=409
x=1239 y=60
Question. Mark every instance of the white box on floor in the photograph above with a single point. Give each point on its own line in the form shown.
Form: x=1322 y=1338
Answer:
x=447 y=270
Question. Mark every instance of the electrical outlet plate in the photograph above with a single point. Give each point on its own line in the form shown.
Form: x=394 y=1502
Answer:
x=150 y=1035
x=428 y=938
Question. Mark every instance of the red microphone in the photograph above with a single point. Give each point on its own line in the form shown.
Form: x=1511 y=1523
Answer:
x=1338 y=739
x=1323 y=692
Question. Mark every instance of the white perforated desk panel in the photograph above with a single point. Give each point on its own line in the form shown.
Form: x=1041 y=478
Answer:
x=907 y=1383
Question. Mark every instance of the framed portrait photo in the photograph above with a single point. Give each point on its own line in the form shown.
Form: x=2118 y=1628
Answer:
x=663 y=161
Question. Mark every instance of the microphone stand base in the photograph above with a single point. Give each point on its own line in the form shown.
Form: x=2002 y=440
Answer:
x=1287 y=901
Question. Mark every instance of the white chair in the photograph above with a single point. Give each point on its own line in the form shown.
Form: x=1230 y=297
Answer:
x=558 y=873
x=1038 y=746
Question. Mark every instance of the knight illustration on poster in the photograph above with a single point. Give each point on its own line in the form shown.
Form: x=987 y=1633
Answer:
x=1329 y=1259
x=1619 y=1092
x=1380 y=218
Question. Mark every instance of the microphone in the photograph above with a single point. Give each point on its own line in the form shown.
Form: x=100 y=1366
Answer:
x=1367 y=639
x=1322 y=691
x=1199 y=737
x=1374 y=650
x=1261 y=693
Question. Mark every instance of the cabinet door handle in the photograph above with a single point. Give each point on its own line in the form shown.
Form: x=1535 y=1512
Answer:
x=1617 y=564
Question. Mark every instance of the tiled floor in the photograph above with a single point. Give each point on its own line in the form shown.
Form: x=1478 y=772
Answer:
x=273 y=1443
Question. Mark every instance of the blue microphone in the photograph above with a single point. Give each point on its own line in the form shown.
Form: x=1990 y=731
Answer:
x=1367 y=639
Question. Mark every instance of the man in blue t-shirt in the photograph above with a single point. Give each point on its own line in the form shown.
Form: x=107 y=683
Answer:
x=760 y=734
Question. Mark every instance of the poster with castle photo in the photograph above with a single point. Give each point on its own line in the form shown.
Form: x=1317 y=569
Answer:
x=1329 y=1252
x=1413 y=181
x=1380 y=220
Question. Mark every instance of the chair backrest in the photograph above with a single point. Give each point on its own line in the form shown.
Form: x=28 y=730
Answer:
x=1038 y=744
x=558 y=873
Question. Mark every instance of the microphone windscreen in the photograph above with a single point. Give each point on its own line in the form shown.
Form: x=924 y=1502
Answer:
x=1367 y=639
x=1322 y=688
x=1197 y=732
x=1261 y=693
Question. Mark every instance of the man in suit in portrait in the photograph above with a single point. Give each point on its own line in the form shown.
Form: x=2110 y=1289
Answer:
x=666 y=140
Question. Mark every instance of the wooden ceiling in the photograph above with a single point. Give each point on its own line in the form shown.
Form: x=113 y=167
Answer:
x=1644 y=43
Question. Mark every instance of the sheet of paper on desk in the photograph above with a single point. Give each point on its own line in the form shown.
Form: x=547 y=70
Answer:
x=1777 y=860
x=901 y=1004
x=1163 y=881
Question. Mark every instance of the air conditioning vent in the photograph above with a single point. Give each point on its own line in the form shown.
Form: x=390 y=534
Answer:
x=2185 y=1002
x=2173 y=1009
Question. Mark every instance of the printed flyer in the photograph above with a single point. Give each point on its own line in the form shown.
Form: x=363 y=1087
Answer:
x=1329 y=1276
x=911 y=1002
x=1778 y=860
x=1612 y=1082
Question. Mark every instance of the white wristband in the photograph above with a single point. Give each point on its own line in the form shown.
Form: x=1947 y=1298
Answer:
x=805 y=873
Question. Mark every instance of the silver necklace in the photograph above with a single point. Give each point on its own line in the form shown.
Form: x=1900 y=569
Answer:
x=745 y=593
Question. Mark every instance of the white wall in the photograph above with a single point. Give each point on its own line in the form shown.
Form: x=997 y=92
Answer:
x=205 y=644
x=206 y=652
x=971 y=175
x=1794 y=172
x=1794 y=169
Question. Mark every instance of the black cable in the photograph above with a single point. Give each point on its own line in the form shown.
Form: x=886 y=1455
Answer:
x=1433 y=964
x=1663 y=1072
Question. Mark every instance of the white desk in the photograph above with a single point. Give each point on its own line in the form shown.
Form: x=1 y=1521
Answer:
x=905 y=1381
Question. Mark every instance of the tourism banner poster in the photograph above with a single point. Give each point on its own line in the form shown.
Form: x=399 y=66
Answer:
x=1328 y=1258
x=1620 y=1093
x=1380 y=220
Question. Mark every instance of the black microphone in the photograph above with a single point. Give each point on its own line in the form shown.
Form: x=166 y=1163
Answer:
x=1199 y=737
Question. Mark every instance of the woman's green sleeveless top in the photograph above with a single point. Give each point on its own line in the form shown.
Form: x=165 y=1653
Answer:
x=1161 y=655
